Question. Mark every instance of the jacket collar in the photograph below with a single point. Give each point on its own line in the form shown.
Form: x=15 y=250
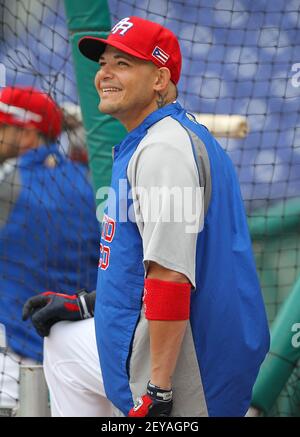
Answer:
x=40 y=155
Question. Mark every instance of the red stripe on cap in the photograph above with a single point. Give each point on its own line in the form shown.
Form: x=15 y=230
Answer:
x=164 y=300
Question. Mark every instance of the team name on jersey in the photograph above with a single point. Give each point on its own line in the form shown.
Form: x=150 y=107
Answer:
x=107 y=235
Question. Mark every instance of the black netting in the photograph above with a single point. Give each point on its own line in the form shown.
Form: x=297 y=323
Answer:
x=240 y=57
x=48 y=229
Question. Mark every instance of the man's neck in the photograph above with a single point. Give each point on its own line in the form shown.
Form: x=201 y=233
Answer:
x=161 y=100
x=135 y=122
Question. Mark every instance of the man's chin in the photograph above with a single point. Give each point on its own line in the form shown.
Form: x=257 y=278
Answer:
x=106 y=108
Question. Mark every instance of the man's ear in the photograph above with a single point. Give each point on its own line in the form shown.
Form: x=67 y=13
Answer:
x=162 y=80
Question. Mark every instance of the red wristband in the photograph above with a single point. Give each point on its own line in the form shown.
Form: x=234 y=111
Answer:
x=164 y=300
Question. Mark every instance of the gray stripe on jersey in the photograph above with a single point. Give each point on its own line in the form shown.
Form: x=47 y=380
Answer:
x=188 y=393
x=165 y=158
x=203 y=165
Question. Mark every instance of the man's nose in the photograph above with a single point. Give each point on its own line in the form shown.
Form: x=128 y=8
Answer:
x=105 y=72
x=101 y=75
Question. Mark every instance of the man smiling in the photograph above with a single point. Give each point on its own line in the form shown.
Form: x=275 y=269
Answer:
x=125 y=89
x=179 y=317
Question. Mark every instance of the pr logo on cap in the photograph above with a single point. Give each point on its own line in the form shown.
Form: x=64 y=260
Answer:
x=122 y=26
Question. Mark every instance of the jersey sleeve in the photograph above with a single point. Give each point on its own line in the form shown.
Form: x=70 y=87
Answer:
x=167 y=203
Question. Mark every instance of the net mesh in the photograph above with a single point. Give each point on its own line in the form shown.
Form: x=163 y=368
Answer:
x=48 y=228
x=239 y=57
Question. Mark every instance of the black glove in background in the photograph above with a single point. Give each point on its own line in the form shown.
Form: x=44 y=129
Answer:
x=48 y=308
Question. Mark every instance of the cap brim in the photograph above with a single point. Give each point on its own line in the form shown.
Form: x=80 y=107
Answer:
x=93 y=48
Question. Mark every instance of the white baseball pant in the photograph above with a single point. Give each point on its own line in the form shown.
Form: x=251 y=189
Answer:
x=72 y=371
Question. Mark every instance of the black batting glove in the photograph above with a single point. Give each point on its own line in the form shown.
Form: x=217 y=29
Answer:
x=155 y=403
x=47 y=308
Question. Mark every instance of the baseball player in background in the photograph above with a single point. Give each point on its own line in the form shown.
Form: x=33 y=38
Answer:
x=179 y=319
x=48 y=228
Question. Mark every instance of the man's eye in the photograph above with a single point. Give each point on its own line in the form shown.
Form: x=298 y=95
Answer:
x=122 y=63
